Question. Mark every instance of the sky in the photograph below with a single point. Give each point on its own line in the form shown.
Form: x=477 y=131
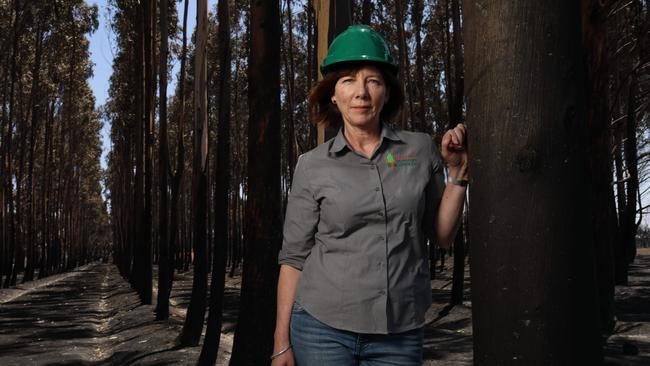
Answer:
x=101 y=53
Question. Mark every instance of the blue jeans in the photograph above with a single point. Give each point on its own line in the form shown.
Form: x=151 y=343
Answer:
x=317 y=344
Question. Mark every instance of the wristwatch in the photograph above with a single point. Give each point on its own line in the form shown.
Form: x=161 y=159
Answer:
x=458 y=182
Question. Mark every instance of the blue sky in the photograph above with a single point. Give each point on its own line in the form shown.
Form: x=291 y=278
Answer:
x=101 y=53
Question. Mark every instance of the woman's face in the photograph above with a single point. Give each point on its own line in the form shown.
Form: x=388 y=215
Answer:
x=361 y=97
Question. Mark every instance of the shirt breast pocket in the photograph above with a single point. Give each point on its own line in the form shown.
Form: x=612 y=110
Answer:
x=405 y=193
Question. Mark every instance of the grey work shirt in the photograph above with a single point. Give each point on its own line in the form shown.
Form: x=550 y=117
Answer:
x=357 y=229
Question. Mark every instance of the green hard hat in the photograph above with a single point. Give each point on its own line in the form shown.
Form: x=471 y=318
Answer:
x=358 y=43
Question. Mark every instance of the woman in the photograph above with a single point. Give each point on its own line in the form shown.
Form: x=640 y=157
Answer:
x=354 y=277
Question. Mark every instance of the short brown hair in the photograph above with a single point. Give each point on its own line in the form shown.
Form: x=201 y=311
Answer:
x=320 y=97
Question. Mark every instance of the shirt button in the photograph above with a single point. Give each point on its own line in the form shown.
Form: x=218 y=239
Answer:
x=381 y=213
x=382 y=292
x=377 y=189
x=372 y=167
x=382 y=238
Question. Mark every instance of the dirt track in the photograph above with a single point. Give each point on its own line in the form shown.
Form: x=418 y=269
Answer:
x=91 y=316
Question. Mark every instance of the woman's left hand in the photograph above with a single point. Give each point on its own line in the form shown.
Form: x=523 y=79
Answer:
x=454 y=147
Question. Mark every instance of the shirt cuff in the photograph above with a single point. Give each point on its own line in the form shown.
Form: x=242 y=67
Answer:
x=293 y=262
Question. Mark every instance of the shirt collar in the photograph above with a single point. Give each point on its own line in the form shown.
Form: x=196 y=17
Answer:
x=387 y=132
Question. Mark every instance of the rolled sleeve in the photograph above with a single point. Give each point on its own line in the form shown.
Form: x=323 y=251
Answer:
x=301 y=219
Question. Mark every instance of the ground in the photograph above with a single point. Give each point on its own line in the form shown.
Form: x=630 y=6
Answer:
x=91 y=316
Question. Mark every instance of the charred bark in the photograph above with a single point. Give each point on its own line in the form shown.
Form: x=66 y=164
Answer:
x=254 y=336
x=533 y=287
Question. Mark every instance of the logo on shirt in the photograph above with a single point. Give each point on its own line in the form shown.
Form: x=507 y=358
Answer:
x=399 y=160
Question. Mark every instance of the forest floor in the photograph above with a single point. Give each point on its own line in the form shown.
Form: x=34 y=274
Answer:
x=91 y=316
x=448 y=335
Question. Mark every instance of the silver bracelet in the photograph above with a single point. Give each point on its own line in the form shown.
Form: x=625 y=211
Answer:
x=284 y=350
x=458 y=182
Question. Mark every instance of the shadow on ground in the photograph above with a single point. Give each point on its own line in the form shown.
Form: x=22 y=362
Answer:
x=93 y=318
x=629 y=345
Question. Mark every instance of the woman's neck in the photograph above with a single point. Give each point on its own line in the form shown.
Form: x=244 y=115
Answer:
x=363 y=140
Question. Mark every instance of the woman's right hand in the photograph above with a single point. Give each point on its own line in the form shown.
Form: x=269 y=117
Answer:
x=285 y=359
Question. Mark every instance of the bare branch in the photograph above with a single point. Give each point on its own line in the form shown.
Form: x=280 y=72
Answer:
x=624 y=180
x=616 y=10
x=617 y=121
x=624 y=82
x=641 y=210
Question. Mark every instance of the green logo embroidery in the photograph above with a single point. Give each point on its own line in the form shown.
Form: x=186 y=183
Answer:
x=390 y=161
x=396 y=161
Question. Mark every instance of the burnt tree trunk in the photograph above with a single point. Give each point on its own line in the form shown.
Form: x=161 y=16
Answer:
x=629 y=226
x=164 y=263
x=532 y=264
x=254 y=336
x=600 y=160
x=291 y=144
x=45 y=241
x=312 y=59
x=35 y=101
x=138 y=191
x=366 y=11
x=176 y=189
x=222 y=179
x=404 y=64
x=193 y=326
x=149 y=23
x=419 y=122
